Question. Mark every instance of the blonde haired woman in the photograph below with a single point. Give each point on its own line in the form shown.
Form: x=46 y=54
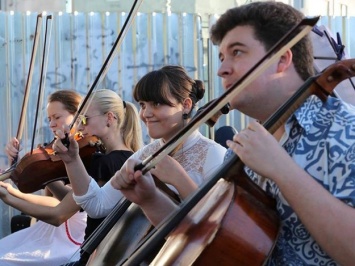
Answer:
x=116 y=123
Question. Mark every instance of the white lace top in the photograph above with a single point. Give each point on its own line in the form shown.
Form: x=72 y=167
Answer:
x=199 y=156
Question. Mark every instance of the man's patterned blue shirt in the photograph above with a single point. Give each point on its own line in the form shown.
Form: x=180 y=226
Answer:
x=320 y=139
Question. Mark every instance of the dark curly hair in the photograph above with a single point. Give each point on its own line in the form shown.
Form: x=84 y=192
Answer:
x=270 y=21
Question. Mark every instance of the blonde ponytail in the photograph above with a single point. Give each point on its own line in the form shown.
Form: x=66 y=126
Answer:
x=131 y=129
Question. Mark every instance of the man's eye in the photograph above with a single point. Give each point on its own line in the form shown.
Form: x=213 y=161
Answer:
x=236 y=52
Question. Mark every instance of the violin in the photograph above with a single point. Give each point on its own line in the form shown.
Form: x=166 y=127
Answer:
x=41 y=166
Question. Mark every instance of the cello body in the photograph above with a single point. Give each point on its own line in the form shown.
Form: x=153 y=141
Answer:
x=230 y=243
x=234 y=224
x=122 y=239
x=130 y=227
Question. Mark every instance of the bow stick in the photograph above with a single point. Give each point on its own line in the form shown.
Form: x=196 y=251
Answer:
x=147 y=246
x=297 y=33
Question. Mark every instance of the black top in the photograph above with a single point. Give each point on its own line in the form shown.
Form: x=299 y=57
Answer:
x=102 y=168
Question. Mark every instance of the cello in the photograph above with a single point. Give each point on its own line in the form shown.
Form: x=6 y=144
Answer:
x=198 y=248
x=214 y=248
x=330 y=78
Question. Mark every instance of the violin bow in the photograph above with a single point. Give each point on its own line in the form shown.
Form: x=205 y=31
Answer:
x=109 y=59
x=91 y=243
x=43 y=75
x=150 y=244
x=28 y=82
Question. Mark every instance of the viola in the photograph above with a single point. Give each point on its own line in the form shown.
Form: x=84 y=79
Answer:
x=42 y=166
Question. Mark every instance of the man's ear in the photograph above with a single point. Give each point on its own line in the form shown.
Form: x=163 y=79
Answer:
x=285 y=61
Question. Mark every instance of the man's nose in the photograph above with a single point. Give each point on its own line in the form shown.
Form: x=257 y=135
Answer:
x=224 y=69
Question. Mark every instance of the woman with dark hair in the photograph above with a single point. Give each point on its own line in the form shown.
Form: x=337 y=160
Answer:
x=166 y=97
x=306 y=165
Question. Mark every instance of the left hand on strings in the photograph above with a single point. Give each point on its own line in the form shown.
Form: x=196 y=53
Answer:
x=65 y=153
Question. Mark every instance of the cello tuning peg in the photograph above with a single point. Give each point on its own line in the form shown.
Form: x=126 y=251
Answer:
x=317 y=31
x=339 y=39
x=339 y=47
